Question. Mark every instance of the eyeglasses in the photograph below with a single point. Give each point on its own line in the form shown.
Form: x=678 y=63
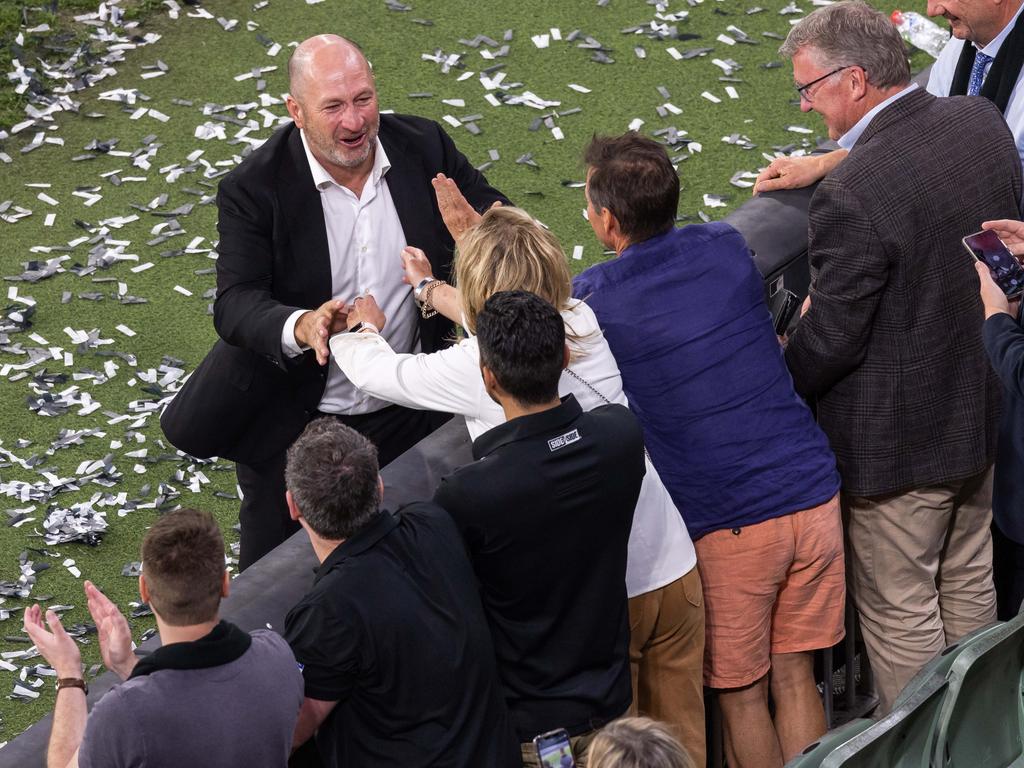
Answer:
x=804 y=91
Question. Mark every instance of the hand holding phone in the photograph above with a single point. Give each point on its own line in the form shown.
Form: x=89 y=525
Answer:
x=1006 y=271
x=554 y=749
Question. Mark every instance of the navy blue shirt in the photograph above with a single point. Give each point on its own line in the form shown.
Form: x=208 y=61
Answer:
x=685 y=316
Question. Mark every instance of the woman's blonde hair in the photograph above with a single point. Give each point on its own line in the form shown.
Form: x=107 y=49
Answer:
x=636 y=742
x=509 y=251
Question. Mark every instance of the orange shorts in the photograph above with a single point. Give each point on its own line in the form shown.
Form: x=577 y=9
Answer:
x=774 y=587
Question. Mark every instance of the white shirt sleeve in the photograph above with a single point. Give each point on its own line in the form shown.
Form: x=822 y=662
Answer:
x=940 y=78
x=446 y=381
x=288 y=343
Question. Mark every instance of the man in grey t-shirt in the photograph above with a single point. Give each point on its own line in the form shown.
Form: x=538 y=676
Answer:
x=211 y=695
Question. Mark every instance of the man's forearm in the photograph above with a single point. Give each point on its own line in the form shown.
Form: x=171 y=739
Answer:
x=68 y=728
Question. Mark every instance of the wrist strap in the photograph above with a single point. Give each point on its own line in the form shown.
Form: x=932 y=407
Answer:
x=426 y=306
x=71 y=682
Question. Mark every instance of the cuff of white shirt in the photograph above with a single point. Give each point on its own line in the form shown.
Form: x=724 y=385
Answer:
x=288 y=343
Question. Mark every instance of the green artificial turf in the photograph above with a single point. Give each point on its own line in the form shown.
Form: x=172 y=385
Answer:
x=203 y=61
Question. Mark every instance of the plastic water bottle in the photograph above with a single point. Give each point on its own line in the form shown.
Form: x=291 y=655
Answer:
x=921 y=32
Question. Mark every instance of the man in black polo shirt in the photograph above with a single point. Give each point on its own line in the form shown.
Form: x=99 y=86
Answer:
x=546 y=512
x=398 y=663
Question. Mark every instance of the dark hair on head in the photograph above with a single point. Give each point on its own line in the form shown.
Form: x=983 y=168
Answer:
x=183 y=565
x=522 y=342
x=632 y=176
x=332 y=476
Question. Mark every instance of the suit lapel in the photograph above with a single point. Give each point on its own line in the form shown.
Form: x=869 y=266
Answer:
x=413 y=196
x=304 y=221
x=895 y=112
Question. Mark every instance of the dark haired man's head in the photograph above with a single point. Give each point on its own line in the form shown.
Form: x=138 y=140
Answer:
x=183 y=567
x=632 y=189
x=332 y=479
x=522 y=344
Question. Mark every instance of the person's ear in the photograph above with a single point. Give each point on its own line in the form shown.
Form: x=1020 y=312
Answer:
x=143 y=589
x=294 y=110
x=490 y=381
x=565 y=355
x=293 y=509
x=225 y=586
x=380 y=490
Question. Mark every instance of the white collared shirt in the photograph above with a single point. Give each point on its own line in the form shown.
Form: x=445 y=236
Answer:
x=941 y=79
x=848 y=139
x=365 y=240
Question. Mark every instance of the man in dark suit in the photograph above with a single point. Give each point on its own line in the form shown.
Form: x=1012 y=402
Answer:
x=890 y=344
x=315 y=217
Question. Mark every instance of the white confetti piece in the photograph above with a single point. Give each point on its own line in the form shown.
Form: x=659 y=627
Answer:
x=557 y=133
x=577 y=252
x=142 y=267
x=711 y=97
x=125 y=330
x=674 y=52
x=541 y=41
x=183 y=291
x=579 y=88
x=47 y=199
x=733 y=93
x=50 y=218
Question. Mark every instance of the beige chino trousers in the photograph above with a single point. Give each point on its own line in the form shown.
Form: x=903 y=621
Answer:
x=920 y=574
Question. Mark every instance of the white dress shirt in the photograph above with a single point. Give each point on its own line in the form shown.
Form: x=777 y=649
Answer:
x=848 y=139
x=365 y=240
x=940 y=80
x=660 y=550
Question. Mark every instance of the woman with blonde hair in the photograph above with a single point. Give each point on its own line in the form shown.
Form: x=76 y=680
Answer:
x=636 y=742
x=508 y=250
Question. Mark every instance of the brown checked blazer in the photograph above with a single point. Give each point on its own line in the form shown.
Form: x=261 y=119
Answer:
x=891 y=346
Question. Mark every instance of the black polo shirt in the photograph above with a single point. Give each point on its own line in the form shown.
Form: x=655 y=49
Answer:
x=394 y=632
x=546 y=512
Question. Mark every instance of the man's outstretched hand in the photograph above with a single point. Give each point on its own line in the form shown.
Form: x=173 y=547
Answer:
x=314 y=328
x=57 y=646
x=458 y=215
x=114 y=634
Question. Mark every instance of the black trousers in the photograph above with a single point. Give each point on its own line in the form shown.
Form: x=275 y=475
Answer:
x=1007 y=573
x=264 y=512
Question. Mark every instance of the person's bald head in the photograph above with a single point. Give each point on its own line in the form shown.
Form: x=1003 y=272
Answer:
x=321 y=56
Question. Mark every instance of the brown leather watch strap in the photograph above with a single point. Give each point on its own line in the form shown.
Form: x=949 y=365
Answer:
x=72 y=682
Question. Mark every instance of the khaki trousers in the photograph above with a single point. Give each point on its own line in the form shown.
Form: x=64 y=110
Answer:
x=920 y=574
x=666 y=654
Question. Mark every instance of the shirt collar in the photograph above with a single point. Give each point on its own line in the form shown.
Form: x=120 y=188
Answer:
x=527 y=426
x=849 y=139
x=323 y=180
x=366 y=538
x=993 y=47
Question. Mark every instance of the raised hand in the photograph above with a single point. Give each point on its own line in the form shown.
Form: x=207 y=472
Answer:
x=114 y=635
x=415 y=266
x=458 y=215
x=57 y=646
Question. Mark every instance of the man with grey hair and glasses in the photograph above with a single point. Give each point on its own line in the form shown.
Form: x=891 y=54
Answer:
x=889 y=344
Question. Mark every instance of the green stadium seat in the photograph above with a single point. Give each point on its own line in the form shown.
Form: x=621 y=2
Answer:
x=981 y=719
x=812 y=756
x=904 y=738
x=941 y=664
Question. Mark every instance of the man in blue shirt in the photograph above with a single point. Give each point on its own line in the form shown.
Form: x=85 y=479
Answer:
x=737 y=448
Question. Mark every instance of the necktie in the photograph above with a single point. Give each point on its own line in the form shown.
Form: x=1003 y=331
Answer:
x=981 y=61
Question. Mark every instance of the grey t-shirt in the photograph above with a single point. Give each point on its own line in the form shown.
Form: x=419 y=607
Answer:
x=241 y=713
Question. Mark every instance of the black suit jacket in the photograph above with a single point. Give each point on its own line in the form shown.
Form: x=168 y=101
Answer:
x=1004 y=342
x=248 y=401
x=891 y=346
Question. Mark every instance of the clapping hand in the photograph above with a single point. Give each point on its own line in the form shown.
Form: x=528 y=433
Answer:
x=57 y=646
x=458 y=215
x=114 y=635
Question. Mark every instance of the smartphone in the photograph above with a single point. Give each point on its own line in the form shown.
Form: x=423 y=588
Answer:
x=1006 y=271
x=554 y=749
x=784 y=305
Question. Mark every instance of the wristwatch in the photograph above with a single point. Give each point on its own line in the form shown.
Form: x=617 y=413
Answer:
x=417 y=292
x=72 y=682
x=363 y=326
